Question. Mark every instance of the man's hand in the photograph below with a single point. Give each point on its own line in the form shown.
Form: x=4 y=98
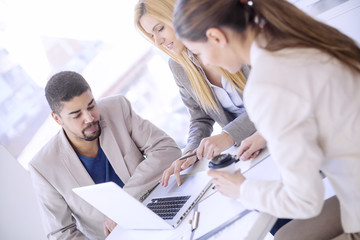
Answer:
x=251 y=147
x=226 y=183
x=109 y=226
x=214 y=145
x=176 y=167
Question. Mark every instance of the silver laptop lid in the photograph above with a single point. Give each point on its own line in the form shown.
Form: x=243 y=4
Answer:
x=130 y=213
x=120 y=206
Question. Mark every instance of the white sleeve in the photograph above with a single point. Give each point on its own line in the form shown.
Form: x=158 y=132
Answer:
x=286 y=120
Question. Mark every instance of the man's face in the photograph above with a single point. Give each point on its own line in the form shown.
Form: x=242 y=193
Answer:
x=79 y=118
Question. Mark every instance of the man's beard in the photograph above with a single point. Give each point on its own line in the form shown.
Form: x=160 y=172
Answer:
x=94 y=135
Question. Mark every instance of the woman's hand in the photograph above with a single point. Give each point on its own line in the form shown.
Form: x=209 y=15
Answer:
x=214 y=145
x=109 y=226
x=251 y=147
x=176 y=167
x=226 y=183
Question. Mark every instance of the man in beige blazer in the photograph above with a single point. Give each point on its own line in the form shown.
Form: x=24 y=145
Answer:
x=135 y=149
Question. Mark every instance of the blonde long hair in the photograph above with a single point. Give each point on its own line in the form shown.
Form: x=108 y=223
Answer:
x=285 y=26
x=163 y=10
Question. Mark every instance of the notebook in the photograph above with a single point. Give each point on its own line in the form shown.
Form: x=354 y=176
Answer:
x=163 y=208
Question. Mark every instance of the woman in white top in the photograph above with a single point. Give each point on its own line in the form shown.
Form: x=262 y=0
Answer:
x=303 y=95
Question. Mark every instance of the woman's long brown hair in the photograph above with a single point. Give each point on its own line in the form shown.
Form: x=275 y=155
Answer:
x=285 y=26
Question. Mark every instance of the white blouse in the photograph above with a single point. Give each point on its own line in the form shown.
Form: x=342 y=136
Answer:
x=228 y=97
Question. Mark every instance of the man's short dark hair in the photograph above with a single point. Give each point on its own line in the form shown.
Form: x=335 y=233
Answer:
x=64 y=86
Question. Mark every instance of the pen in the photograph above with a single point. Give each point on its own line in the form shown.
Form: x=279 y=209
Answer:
x=187 y=156
x=195 y=221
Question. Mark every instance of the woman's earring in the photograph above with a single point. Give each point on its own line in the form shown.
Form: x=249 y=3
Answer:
x=260 y=21
x=250 y=3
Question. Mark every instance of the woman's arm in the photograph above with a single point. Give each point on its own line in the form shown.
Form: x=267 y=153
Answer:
x=201 y=124
x=290 y=129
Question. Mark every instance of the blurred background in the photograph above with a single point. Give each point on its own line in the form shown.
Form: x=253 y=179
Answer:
x=97 y=39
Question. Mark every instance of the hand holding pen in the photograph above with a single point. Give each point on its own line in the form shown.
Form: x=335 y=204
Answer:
x=177 y=166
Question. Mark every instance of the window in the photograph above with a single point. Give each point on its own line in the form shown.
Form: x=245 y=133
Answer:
x=106 y=49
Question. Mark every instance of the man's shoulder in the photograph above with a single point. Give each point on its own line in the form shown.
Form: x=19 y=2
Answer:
x=113 y=106
x=112 y=101
x=48 y=151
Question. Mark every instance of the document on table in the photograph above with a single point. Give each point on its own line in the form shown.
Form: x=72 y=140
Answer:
x=244 y=166
x=217 y=210
x=214 y=211
x=182 y=232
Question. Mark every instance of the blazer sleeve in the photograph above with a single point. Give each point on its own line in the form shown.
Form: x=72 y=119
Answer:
x=159 y=150
x=291 y=132
x=201 y=124
x=57 y=218
x=240 y=128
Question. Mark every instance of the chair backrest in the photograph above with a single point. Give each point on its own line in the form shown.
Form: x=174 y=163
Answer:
x=20 y=216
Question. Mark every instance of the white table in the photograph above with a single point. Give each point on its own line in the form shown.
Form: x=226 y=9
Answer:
x=254 y=225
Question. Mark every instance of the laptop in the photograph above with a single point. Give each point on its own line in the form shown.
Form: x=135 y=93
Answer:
x=162 y=208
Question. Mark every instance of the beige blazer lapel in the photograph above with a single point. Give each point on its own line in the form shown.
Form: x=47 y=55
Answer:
x=110 y=147
x=73 y=164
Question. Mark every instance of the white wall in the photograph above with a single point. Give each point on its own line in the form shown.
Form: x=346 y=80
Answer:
x=19 y=212
x=345 y=18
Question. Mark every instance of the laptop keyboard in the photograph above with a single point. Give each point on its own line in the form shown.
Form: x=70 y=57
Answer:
x=168 y=207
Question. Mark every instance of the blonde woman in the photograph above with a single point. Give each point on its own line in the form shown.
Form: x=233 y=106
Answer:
x=303 y=95
x=210 y=94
